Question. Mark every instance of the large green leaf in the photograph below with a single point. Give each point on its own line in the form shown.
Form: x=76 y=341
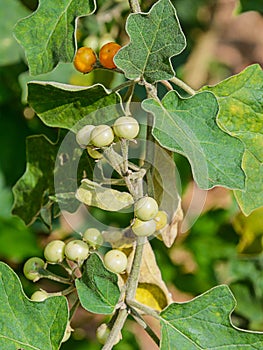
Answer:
x=48 y=34
x=25 y=324
x=98 y=289
x=155 y=37
x=38 y=179
x=204 y=323
x=65 y=106
x=240 y=99
x=188 y=126
x=11 y=11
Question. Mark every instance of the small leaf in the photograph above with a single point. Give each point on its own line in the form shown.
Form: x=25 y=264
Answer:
x=155 y=37
x=64 y=106
x=169 y=232
x=11 y=11
x=188 y=126
x=166 y=193
x=26 y=324
x=204 y=323
x=37 y=180
x=93 y=194
x=48 y=34
x=98 y=288
x=240 y=100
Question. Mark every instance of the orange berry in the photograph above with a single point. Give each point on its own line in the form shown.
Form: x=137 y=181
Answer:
x=107 y=53
x=85 y=60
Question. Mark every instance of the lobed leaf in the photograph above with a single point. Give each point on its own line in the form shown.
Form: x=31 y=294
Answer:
x=204 y=323
x=26 y=324
x=37 y=180
x=48 y=34
x=98 y=289
x=65 y=106
x=155 y=37
x=188 y=126
x=240 y=99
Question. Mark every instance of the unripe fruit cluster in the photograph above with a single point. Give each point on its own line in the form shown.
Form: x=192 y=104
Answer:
x=85 y=59
x=56 y=251
x=96 y=137
x=148 y=217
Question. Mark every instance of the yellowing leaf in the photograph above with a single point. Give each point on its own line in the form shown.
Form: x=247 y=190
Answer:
x=151 y=295
x=166 y=193
x=250 y=230
x=93 y=194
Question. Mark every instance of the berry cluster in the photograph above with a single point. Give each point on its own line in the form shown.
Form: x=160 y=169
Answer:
x=86 y=60
x=148 y=217
x=97 y=137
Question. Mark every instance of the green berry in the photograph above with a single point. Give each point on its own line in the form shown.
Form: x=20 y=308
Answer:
x=32 y=267
x=146 y=208
x=93 y=237
x=93 y=153
x=160 y=219
x=39 y=295
x=83 y=135
x=115 y=261
x=54 y=251
x=143 y=228
x=102 y=334
x=102 y=136
x=77 y=250
x=126 y=127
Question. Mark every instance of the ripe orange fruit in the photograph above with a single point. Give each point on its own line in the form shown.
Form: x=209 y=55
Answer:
x=85 y=59
x=107 y=53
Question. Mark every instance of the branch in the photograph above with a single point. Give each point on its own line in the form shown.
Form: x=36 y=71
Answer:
x=135 y=6
x=117 y=327
x=183 y=86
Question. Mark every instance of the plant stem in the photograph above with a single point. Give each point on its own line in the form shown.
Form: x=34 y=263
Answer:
x=51 y=276
x=183 y=85
x=117 y=326
x=133 y=278
x=135 y=6
x=123 y=86
x=138 y=318
x=144 y=308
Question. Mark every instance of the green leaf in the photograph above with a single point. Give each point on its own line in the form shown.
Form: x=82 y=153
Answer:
x=37 y=180
x=188 y=126
x=25 y=324
x=65 y=106
x=204 y=323
x=11 y=11
x=17 y=242
x=93 y=194
x=250 y=5
x=61 y=74
x=155 y=37
x=97 y=288
x=240 y=99
x=48 y=34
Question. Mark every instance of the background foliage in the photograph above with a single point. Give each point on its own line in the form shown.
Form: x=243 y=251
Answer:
x=223 y=246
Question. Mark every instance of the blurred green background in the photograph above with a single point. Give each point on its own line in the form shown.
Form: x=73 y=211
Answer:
x=222 y=246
